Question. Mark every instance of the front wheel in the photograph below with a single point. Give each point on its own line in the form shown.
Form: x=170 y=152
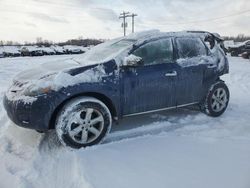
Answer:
x=217 y=100
x=234 y=54
x=83 y=122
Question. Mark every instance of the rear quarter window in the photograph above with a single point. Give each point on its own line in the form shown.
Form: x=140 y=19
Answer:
x=190 y=47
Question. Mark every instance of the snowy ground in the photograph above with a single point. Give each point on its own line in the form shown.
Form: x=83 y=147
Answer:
x=177 y=149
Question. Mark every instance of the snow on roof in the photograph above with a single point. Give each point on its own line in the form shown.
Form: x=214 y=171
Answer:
x=72 y=47
x=30 y=48
x=46 y=49
x=239 y=44
x=58 y=48
x=143 y=34
x=114 y=49
x=140 y=37
x=229 y=43
x=10 y=49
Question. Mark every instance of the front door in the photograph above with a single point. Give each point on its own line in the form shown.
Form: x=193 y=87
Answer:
x=150 y=86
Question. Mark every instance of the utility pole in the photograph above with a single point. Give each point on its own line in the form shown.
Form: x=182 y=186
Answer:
x=124 y=15
x=133 y=22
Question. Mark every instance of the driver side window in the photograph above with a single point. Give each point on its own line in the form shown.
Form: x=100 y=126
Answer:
x=156 y=52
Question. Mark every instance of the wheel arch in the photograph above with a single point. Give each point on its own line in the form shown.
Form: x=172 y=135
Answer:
x=103 y=98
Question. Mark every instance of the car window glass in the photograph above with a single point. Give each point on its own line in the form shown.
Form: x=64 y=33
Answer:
x=190 y=47
x=160 y=51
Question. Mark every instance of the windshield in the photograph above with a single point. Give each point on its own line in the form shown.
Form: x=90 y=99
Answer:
x=107 y=50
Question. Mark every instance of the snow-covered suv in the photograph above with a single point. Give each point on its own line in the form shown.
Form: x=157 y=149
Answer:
x=141 y=73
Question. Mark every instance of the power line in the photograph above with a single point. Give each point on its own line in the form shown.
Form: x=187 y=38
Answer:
x=208 y=20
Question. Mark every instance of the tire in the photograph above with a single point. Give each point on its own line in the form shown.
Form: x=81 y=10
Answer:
x=217 y=99
x=83 y=122
x=234 y=54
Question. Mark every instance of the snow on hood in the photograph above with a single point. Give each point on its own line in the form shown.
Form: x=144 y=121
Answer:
x=51 y=76
x=45 y=69
x=64 y=79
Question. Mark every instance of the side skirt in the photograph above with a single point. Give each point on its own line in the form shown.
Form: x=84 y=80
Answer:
x=162 y=109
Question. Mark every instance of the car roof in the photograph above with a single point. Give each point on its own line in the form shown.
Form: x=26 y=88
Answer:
x=145 y=36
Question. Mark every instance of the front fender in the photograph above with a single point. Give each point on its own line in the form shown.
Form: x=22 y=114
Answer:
x=108 y=91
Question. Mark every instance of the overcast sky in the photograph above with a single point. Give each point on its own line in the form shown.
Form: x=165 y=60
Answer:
x=59 y=20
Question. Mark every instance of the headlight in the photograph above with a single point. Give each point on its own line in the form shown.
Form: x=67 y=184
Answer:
x=33 y=91
x=40 y=87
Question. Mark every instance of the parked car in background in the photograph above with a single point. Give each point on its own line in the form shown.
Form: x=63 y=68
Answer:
x=31 y=51
x=228 y=43
x=240 y=48
x=11 y=51
x=246 y=55
x=58 y=49
x=47 y=51
x=1 y=52
x=142 y=73
x=71 y=49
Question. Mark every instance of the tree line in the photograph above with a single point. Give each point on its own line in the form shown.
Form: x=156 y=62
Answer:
x=88 y=42
x=238 y=38
x=47 y=43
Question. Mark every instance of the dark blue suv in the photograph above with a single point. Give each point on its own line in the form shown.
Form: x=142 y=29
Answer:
x=141 y=73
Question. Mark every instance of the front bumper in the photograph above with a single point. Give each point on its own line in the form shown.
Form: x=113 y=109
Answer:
x=35 y=115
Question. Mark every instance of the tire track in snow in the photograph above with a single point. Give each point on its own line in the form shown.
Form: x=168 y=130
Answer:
x=55 y=166
x=155 y=124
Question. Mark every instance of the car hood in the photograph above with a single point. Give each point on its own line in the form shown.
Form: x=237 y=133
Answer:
x=46 y=69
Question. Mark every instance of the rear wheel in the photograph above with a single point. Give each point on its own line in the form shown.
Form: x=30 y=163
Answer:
x=217 y=100
x=83 y=122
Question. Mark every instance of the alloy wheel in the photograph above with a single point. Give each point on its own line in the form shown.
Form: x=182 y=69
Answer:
x=219 y=99
x=85 y=126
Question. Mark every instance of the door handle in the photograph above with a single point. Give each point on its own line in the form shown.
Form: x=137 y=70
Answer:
x=171 y=74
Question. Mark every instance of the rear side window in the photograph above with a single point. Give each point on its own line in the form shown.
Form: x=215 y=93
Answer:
x=156 y=52
x=190 y=47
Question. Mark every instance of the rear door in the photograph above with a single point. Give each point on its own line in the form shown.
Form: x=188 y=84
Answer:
x=150 y=86
x=191 y=56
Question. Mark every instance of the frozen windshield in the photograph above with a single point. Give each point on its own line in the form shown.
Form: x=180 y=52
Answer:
x=108 y=50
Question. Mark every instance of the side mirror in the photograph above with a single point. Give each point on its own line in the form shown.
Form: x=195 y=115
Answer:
x=132 y=61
